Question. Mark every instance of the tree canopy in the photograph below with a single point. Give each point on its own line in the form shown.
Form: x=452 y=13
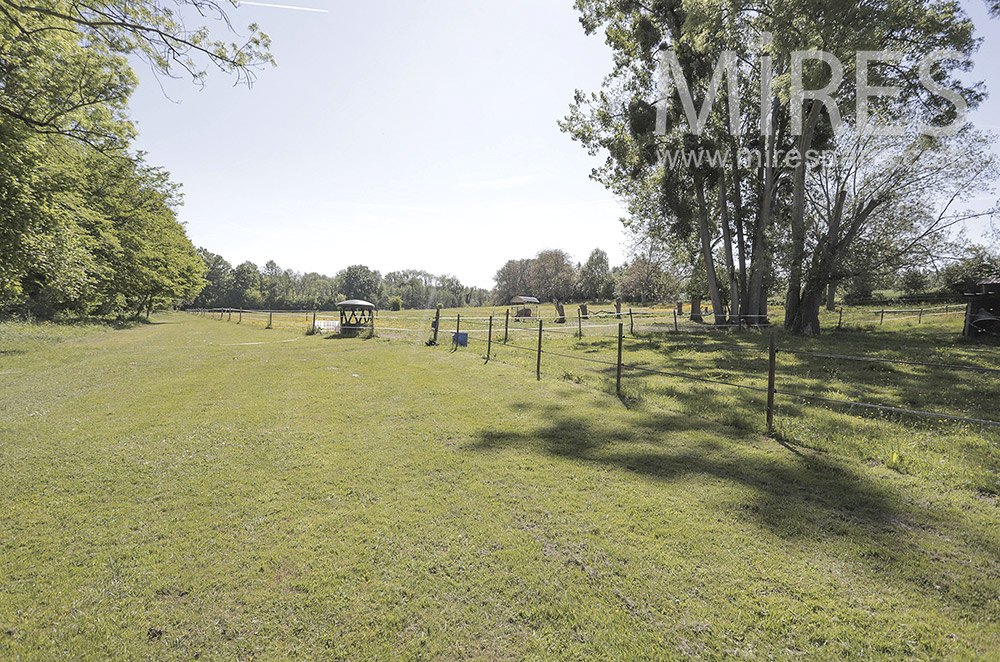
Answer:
x=711 y=143
x=86 y=225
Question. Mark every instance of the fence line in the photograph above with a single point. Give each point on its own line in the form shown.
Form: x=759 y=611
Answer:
x=771 y=391
x=274 y=318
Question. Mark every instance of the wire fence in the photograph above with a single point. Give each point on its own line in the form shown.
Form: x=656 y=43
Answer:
x=496 y=332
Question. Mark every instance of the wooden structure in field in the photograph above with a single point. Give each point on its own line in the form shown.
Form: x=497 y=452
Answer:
x=356 y=316
x=525 y=303
x=982 y=314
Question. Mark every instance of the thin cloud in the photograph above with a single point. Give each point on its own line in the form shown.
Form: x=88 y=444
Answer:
x=265 y=4
x=256 y=233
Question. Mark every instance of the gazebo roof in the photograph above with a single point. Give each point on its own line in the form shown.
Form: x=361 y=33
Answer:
x=356 y=304
x=524 y=300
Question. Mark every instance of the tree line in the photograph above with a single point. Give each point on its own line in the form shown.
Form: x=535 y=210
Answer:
x=710 y=147
x=553 y=277
x=652 y=274
x=271 y=287
x=87 y=226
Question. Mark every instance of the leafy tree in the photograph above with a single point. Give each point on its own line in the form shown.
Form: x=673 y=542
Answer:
x=218 y=290
x=65 y=62
x=885 y=202
x=360 y=282
x=148 y=258
x=512 y=279
x=595 y=281
x=92 y=234
x=962 y=276
x=95 y=229
x=914 y=281
x=552 y=276
x=246 y=286
x=761 y=213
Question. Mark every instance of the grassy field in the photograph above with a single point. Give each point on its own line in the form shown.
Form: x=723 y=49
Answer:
x=957 y=454
x=200 y=489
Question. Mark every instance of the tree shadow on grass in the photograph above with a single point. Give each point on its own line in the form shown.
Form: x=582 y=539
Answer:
x=799 y=480
x=926 y=388
x=794 y=493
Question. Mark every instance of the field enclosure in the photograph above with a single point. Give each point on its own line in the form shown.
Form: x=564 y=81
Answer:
x=900 y=387
x=192 y=488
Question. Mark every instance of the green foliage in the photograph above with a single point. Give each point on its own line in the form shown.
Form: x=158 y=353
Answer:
x=914 y=281
x=86 y=225
x=270 y=286
x=512 y=279
x=552 y=276
x=360 y=282
x=396 y=303
x=595 y=282
x=549 y=276
x=66 y=66
x=778 y=221
x=91 y=232
x=978 y=264
x=860 y=289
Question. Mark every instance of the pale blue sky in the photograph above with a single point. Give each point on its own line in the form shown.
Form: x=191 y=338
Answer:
x=401 y=135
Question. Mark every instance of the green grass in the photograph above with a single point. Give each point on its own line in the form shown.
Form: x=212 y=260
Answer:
x=172 y=492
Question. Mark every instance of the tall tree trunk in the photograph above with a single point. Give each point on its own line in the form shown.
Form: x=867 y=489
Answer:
x=796 y=267
x=706 y=251
x=727 y=238
x=739 y=220
x=808 y=311
x=696 y=310
x=831 y=296
x=759 y=259
x=820 y=274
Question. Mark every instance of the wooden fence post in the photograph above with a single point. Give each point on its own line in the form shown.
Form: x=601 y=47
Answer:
x=458 y=327
x=920 y=319
x=437 y=324
x=230 y=318
x=313 y=329
x=506 y=325
x=538 y=366
x=579 y=323
x=840 y=320
x=489 y=341
x=631 y=323
x=676 y=328
x=771 y=363
x=240 y=321
x=270 y=318
x=618 y=369
x=881 y=319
